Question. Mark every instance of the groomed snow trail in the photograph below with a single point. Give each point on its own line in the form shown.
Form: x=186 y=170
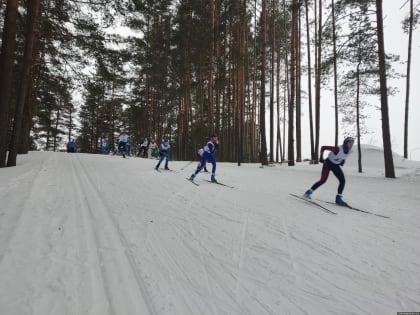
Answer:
x=92 y=234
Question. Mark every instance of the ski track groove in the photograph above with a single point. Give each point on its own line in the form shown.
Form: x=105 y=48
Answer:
x=244 y=232
x=17 y=213
x=203 y=261
x=119 y=236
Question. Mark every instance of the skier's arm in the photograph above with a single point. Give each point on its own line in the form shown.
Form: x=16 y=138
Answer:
x=327 y=148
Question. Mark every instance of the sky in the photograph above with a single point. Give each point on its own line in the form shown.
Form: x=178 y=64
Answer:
x=396 y=42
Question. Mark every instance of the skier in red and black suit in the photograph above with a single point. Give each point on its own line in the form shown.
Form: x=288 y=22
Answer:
x=335 y=159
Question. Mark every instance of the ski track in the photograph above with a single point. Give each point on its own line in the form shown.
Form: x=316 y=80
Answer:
x=112 y=238
x=106 y=235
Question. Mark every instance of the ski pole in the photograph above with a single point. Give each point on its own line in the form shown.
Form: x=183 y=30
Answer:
x=189 y=163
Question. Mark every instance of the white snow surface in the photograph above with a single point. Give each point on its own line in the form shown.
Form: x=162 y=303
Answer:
x=95 y=234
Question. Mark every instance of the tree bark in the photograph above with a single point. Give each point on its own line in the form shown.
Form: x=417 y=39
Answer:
x=6 y=73
x=386 y=135
x=293 y=54
x=335 y=72
x=263 y=149
x=318 y=82
x=298 y=89
x=407 y=88
x=31 y=33
x=308 y=43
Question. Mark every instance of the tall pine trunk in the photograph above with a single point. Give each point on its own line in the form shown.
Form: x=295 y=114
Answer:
x=278 y=143
x=32 y=22
x=359 y=149
x=407 y=88
x=293 y=55
x=386 y=134
x=263 y=149
x=272 y=51
x=308 y=45
x=298 y=89
x=335 y=72
x=318 y=82
x=210 y=67
x=6 y=73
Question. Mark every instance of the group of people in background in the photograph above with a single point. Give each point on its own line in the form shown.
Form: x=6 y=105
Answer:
x=336 y=158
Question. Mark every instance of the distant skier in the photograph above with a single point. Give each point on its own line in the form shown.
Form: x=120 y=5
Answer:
x=104 y=146
x=128 y=146
x=208 y=156
x=164 y=151
x=122 y=143
x=143 y=147
x=335 y=159
x=72 y=146
x=153 y=150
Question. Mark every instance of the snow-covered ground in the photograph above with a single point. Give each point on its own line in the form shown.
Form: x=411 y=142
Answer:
x=92 y=234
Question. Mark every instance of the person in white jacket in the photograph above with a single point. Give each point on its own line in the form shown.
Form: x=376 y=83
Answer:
x=335 y=159
x=122 y=143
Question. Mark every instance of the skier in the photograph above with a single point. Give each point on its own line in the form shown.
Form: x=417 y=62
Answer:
x=122 y=143
x=208 y=156
x=153 y=149
x=164 y=151
x=72 y=146
x=335 y=159
x=128 y=145
x=200 y=153
x=143 y=147
x=104 y=146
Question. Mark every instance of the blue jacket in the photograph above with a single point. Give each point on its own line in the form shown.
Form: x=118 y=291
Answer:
x=165 y=149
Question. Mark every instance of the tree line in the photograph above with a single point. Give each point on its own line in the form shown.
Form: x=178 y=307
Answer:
x=184 y=69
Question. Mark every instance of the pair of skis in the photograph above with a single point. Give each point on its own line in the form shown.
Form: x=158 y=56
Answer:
x=217 y=183
x=325 y=209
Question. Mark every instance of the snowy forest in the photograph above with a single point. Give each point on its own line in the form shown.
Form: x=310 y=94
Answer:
x=183 y=69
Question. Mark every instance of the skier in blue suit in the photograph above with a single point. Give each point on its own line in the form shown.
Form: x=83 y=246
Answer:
x=164 y=151
x=208 y=156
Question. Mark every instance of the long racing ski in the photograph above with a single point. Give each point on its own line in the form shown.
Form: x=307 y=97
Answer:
x=357 y=209
x=313 y=203
x=192 y=181
x=219 y=183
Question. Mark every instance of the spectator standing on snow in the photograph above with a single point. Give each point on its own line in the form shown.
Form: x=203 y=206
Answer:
x=335 y=159
x=208 y=156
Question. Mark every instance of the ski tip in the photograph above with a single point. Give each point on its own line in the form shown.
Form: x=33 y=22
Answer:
x=192 y=181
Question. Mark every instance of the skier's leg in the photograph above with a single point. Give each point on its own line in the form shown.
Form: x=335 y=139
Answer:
x=166 y=163
x=338 y=172
x=160 y=161
x=324 y=175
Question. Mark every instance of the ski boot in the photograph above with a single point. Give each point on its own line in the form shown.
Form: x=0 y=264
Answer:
x=213 y=179
x=308 y=194
x=339 y=200
x=192 y=177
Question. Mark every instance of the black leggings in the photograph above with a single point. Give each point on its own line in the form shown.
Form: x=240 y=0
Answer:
x=338 y=172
